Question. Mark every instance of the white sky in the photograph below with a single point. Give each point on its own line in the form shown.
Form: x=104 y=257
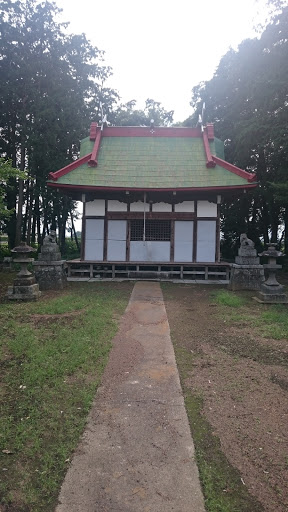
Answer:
x=160 y=49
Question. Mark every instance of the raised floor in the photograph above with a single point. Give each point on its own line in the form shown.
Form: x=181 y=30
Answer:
x=188 y=272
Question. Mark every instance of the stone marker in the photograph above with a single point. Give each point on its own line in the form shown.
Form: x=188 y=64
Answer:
x=24 y=287
x=246 y=272
x=271 y=292
x=49 y=269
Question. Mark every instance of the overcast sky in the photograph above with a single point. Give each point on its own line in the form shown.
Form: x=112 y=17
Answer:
x=160 y=49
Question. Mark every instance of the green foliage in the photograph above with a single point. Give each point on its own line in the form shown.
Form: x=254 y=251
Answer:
x=7 y=174
x=127 y=115
x=52 y=355
x=71 y=251
x=4 y=251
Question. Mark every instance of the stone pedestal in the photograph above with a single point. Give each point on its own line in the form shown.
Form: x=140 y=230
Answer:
x=24 y=287
x=49 y=269
x=246 y=277
x=246 y=272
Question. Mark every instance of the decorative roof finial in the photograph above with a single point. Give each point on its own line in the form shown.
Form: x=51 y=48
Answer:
x=201 y=118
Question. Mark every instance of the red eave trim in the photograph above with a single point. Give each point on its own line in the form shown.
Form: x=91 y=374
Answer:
x=146 y=131
x=65 y=170
x=93 y=160
x=177 y=189
x=236 y=170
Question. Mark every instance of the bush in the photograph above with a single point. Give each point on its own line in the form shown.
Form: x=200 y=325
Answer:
x=71 y=252
x=4 y=251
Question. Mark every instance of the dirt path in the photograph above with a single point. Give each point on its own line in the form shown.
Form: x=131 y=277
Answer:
x=243 y=380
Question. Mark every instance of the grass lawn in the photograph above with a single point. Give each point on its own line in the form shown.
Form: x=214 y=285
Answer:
x=52 y=355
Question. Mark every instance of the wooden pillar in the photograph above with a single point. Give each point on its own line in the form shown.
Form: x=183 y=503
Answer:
x=195 y=234
x=218 y=230
x=83 y=238
x=105 y=241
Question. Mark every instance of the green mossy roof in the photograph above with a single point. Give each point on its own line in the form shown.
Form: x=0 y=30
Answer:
x=151 y=162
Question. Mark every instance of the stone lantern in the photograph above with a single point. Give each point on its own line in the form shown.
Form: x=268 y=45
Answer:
x=271 y=291
x=24 y=287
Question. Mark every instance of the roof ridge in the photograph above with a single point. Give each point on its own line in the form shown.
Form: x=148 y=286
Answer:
x=209 y=162
x=93 y=160
x=65 y=170
x=233 y=168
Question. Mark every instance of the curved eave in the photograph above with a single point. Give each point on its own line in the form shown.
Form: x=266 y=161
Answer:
x=84 y=188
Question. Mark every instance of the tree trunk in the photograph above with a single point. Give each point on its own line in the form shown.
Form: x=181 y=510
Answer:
x=26 y=215
x=11 y=224
x=62 y=228
x=29 y=213
x=20 y=198
x=38 y=223
x=73 y=230
x=286 y=230
x=33 y=228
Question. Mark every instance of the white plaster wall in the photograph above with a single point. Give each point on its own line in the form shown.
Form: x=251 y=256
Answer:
x=185 y=206
x=116 y=206
x=94 y=239
x=183 y=240
x=116 y=250
x=96 y=207
x=206 y=209
x=206 y=240
x=149 y=251
x=139 y=207
x=161 y=207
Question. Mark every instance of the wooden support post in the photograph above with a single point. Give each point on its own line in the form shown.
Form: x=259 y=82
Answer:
x=105 y=232
x=83 y=237
x=218 y=234
x=172 y=240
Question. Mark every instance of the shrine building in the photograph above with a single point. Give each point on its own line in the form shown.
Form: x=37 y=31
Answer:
x=151 y=201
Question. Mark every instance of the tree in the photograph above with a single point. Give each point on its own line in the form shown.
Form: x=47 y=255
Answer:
x=247 y=101
x=49 y=83
x=127 y=115
x=8 y=174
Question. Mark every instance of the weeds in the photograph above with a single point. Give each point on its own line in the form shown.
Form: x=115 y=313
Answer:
x=274 y=322
x=226 y=298
x=270 y=320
